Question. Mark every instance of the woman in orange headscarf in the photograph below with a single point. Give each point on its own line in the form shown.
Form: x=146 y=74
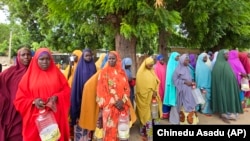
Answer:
x=43 y=83
x=112 y=95
x=70 y=70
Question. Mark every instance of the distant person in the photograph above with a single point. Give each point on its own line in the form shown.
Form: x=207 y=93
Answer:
x=126 y=65
x=43 y=83
x=70 y=70
x=160 y=71
x=98 y=63
x=10 y=119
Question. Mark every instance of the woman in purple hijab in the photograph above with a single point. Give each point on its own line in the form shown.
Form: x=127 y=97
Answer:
x=238 y=69
x=10 y=119
x=84 y=70
x=183 y=81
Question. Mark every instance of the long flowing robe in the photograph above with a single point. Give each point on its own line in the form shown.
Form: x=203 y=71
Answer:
x=160 y=71
x=89 y=116
x=246 y=64
x=70 y=70
x=236 y=64
x=203 y=80
x=84 y=70
x=112 y=86
x=225 y=89
x=146 y=83
x=10 y=119
x=128 y=62
x=184 y=92
x=170 y=90
x=37 y=83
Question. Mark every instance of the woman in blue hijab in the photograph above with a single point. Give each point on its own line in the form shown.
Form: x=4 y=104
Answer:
x=203 y=81
x=126 y=65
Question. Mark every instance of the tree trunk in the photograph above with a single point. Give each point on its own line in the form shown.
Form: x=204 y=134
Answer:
x=127 y=48
x=163 y=35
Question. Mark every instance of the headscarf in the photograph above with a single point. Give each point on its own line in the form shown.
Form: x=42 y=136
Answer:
x=170 y=90
x=245 y=61
x=159 y=57
x=225 y=89
x=127 y=62
x=202 y=73
x=38 y=83
x=192 y=60
x=84 y=71
x=182 y=74
x=112 y=85
x=160 y=71
x=70 y=70
x=236 y=65
x=10 y=119
x=243 y=56
x=112 y=72
x=98 y=63
x=146 y=83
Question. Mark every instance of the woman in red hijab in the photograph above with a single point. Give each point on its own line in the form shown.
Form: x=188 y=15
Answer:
x=43 y=83
x=10 y=119
x=245 y=60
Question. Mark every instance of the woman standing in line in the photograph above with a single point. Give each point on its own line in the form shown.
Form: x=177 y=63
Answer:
x=10 y=119
x=160 y=70
x=112 y=95
x=183 y=81
x=225 y=89
x=43 y=84
x=126 y=65
x=170 y=97
x=147 y=89
x=70 y=70
x=203 y=81
x=84 y=70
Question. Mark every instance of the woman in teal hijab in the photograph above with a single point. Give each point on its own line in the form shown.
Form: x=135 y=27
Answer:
x=203 y=81
x=225 y=89
x=170 y=98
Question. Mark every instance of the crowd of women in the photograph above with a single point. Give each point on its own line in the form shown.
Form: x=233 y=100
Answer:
x=88 y=98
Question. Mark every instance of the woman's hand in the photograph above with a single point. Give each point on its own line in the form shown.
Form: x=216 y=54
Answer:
x=39 y=103
x=188 y=83
x=119 y=105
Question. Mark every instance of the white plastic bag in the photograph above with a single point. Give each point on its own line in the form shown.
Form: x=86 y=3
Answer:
x=198 y=96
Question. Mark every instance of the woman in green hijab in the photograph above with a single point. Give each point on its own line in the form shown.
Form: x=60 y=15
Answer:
x=225 y=89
